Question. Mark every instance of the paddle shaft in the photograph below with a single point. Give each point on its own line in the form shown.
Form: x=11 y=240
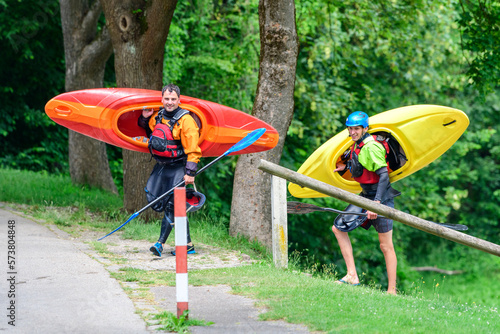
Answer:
x=242 y=144
x=248 y=140
x=302 y=208
x=180 y=184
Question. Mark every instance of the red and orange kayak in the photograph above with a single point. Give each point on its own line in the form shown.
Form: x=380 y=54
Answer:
x=111 y=114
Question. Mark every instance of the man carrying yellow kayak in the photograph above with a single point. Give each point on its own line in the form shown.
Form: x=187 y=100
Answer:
x=367 y=164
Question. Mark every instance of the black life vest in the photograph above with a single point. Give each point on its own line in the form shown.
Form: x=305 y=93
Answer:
x=359 y=173
x=161 y=142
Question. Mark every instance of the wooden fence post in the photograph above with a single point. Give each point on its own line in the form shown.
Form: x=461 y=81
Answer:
x=280 y=225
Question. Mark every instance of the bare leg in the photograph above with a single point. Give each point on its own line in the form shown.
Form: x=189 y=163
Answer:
x=391 y=261
x=347 y=254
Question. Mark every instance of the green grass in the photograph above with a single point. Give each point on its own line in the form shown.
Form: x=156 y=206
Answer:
x=462 y=289
x=40 y=188
x=323 y=305
x=465 y=303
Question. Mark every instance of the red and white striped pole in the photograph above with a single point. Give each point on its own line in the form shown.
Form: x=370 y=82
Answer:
x=181 y=277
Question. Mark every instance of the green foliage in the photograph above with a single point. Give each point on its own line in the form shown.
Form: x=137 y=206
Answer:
x=33 y=69
x=370 y=56
x=460 y=186
x=115 y=159
x=212 y=51
x=480 y=23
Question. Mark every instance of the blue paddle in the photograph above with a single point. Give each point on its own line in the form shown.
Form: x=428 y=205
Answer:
x=248 y=140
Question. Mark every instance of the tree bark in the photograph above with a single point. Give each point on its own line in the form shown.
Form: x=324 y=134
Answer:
x=86 y=52
x=251 y=204
x=138 y=30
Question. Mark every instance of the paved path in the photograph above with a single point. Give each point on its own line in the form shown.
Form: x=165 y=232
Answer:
x=59 y=288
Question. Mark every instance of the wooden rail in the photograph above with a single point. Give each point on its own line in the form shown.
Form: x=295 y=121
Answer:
x=394 y=214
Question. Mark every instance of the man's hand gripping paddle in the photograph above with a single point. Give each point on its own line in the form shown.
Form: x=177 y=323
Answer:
x=248 y=140
x=301 y=208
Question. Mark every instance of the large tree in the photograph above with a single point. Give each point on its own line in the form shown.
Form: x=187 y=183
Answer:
x=251 y=209
x=138 y=30
x=86 y=50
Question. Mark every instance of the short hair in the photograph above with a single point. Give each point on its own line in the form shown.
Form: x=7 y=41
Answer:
x=171 y=88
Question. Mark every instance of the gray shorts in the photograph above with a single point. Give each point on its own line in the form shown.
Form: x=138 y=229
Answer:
x=381 y=225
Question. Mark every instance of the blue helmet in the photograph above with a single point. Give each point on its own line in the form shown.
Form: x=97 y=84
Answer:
x=357 y=118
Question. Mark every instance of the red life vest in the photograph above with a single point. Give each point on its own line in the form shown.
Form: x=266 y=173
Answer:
x=162 y=142
x=368 y=177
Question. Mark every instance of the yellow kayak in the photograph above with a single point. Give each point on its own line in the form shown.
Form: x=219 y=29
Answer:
x=417 y=135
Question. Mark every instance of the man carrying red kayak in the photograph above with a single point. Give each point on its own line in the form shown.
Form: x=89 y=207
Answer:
x=368 y=166
x=174 y=136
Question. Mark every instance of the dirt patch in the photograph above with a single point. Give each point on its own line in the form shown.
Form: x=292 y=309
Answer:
x=122 y=253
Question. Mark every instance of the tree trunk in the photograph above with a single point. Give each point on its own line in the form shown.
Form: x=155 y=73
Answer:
x=251 y=205
x=139 y=30
x=86 y=52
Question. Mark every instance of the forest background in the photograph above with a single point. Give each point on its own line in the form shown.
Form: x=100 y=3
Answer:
x=354 y=55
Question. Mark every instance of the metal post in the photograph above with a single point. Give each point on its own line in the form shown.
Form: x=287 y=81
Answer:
x=181 y=277
x=279 y=222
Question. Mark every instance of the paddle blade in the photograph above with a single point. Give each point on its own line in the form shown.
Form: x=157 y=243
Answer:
x=301 y=208
x=119 y=227
x=456 y=227
x=248 y=140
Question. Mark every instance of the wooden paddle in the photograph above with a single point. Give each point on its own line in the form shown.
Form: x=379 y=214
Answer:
x=302 y=208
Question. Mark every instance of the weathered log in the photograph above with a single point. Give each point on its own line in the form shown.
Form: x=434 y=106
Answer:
x=386 y=211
